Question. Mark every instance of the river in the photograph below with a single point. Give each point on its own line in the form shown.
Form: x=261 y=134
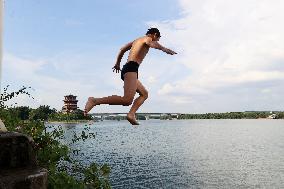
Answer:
x=183 y=154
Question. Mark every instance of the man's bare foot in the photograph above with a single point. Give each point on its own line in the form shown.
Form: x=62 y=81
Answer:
x=131 y=118
x=89 y=105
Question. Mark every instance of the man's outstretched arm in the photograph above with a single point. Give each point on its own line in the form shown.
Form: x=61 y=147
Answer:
x=156 y=45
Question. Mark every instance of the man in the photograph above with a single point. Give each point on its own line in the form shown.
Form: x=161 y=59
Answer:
x=129 y=74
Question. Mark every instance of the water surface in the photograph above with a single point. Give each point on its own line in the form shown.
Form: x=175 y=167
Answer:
x=188 y=153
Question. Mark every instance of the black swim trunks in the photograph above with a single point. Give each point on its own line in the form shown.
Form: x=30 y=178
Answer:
x=130 y=66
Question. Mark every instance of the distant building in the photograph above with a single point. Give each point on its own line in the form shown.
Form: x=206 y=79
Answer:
x=70 y=104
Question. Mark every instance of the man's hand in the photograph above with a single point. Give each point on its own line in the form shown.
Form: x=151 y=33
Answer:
x=116 y=68
x=169 y=51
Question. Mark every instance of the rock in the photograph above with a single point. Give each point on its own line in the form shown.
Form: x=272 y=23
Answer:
x=18 y=164
x=2 y=127
x=16 y=151
x=28 y=178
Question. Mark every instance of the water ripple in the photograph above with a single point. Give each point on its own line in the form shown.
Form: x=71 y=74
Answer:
x=188 y=153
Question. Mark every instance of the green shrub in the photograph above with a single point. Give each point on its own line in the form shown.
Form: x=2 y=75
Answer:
x=63 y=170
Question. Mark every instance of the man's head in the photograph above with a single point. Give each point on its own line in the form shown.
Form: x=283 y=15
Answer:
x=154 y=33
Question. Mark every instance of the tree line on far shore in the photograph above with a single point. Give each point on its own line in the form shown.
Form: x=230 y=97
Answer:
x=235 y=115
x=46 y=113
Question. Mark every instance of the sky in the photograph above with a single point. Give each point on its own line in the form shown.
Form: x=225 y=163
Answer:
x=230 y=53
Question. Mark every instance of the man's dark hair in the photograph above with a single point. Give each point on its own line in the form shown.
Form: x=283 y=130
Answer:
x=153 y=31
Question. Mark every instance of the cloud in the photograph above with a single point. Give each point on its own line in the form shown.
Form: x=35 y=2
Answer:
x=225 y=44
x=152 y=79
x=230 y=58
x=166 y=89
x=54 y=77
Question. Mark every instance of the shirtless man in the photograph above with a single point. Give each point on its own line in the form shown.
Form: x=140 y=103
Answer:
x=129 y=74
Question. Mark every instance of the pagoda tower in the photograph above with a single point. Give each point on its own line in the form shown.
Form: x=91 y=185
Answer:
x=70 y=104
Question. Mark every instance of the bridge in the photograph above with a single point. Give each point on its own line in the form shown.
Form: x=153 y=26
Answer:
x=141 y=116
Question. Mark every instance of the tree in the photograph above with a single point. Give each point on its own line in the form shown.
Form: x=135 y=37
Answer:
x=41 y=113
x=23 y=112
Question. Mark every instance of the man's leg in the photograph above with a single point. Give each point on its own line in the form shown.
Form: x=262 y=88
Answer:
x=138 y=101
x=130 y=86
